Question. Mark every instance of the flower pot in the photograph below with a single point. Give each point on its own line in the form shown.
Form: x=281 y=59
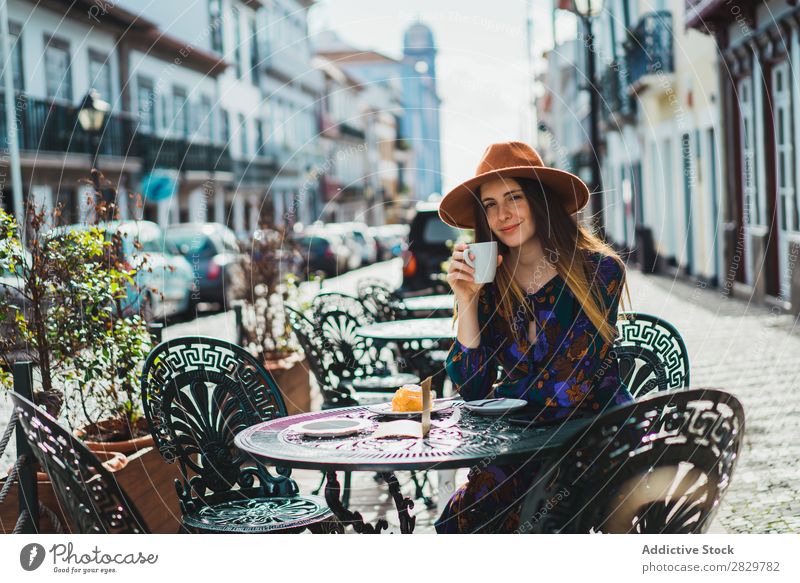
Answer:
x=110 y=428
x=291 y=375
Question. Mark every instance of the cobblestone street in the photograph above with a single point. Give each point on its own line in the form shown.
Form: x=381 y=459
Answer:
x=754 y=353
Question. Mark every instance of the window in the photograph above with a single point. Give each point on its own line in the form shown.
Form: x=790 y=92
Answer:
x=145 y=102
x=224 y=130
x=180 y=112
x=237 y=41
x=100 y=75
x=165 y=113
x=204 y=127
x=215 y=14
x=57 y=69
x=260 y=138
x=752 y=208
x=15 y=42
x=243 y=135
x=254 y=52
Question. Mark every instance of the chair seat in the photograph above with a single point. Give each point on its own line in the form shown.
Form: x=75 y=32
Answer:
x=260 y=515
x=384 y=383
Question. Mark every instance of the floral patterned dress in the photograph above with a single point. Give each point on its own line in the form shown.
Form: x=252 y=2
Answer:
x=568 y=365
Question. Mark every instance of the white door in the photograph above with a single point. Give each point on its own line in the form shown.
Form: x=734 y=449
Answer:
x=788 y=220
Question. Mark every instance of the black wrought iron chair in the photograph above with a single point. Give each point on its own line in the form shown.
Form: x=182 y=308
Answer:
x=380 y=301
x=87 y=492
x=198 y=393
x=657 y=465
x=356 y=363
x=651 y=354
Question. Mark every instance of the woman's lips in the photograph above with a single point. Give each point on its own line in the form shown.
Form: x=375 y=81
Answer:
x=509 y=229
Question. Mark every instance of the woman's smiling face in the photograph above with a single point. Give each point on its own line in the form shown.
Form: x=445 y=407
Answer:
x=507 y=211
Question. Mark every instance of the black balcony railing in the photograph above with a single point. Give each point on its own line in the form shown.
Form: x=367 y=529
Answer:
x=182 y=154
x=649 y=50
x=48 y=126
x=256 y=171
x=617 y=103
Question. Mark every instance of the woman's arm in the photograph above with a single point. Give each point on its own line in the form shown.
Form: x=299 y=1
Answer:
x=471 y=365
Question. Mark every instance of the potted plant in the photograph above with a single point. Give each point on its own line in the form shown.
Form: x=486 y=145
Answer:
x=270 y=263
x=64 y=305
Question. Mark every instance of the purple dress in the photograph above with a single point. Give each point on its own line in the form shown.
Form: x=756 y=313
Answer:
x=568 y=365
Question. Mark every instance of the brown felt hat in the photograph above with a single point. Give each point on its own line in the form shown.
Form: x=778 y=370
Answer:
x=515 y=160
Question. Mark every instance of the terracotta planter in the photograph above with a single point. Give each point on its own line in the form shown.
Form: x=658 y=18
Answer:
x=291 y=375
x=112 y=460
x=144 y=476
x=126 y=447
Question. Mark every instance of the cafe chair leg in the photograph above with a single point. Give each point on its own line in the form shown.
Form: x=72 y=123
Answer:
x=346 y=489
x=419 y=489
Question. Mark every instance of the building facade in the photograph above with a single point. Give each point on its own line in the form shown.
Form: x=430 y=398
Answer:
x=760 y=100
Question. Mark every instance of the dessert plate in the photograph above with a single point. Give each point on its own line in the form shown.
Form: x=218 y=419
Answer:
x=331 y=427
x=386 y=410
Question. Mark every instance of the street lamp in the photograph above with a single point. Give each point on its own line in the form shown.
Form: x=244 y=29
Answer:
x=92 y=116
x=586 y=10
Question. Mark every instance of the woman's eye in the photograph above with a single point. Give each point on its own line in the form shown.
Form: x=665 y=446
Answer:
x=488 y=206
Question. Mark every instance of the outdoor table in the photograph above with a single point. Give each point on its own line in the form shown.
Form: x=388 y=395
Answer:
x=440 y=304
x=416 y=339
x=414 y=330
x=458 y=438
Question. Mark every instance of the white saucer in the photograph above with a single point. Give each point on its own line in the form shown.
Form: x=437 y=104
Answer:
x=495 y=406
x=331 y=426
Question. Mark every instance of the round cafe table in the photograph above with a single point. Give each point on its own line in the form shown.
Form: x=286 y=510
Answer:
x=458 y=438
x=435 y=305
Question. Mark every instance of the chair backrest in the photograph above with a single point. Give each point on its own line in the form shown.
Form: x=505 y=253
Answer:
x=349 y=356
x=86 y=491
x=380 y=301
x=317 y=357
x=651 y=354
x=198 y=393
x=656 y=465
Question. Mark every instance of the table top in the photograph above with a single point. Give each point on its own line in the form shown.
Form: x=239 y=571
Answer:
x=458 y=438
x=414 y=329
x=435 y=303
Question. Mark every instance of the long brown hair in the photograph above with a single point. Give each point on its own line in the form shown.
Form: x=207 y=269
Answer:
x=566 y=244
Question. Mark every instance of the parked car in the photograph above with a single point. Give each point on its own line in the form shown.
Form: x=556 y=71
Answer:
x=213 y=253
x=429 y=245
x=11 y=286
x=365 y=240
x=347 y=237
x=323 y=252
x=164 y=282
x=391 y=240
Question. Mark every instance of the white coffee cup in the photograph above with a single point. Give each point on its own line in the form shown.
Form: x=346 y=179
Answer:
x=485 y=262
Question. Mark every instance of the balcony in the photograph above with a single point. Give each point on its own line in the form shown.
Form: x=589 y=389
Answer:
x=649 y=49
x=255 y=171
x=617 y=106
x=706 y=15
x=181 y=154
x=48 y=126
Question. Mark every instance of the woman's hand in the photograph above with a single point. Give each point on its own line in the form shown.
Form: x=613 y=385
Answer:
x=461 y=276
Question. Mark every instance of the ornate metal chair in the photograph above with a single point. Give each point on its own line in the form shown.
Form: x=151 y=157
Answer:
x=657 y=465
x=198 y=393
x=651 y=354
x=378 y=299
x=353 y=361
x=88 y=493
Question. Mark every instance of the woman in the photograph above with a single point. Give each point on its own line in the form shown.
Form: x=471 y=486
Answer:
x=548 y=320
